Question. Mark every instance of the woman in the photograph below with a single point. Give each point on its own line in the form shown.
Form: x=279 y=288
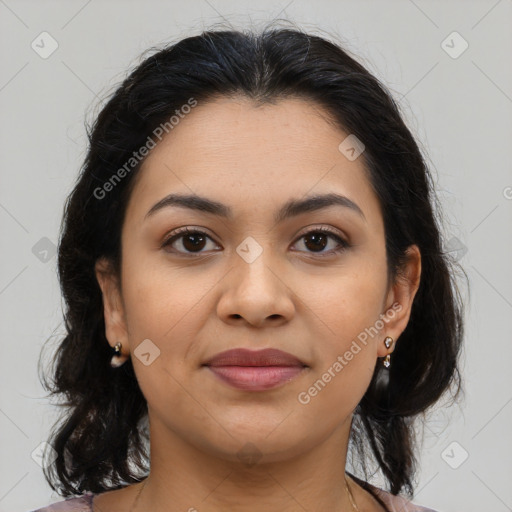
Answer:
x=255 y=287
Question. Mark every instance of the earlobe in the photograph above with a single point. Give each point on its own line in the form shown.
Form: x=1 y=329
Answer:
x=115 y=326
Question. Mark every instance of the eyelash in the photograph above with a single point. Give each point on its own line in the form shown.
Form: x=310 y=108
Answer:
x=180 y=233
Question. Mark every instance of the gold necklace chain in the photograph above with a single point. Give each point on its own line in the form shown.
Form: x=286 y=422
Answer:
x=349 y=492
x=350 y=495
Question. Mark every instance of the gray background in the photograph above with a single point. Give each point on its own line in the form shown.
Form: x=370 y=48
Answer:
x=459 y=109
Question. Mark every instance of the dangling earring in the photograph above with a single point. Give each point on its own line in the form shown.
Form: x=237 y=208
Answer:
x=118 y=359
x=387 y=360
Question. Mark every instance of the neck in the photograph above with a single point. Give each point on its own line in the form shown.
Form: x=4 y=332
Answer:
x=184 y=477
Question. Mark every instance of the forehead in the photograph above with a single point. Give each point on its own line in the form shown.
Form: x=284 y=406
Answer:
x=248 y=155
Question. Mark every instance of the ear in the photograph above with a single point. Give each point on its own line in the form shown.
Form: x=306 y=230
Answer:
x=400 y=299
x=113 y=310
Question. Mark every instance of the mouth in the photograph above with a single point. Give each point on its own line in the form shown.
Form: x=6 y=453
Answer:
x=255 y=370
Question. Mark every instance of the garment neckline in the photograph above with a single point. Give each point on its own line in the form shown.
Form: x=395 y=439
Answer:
x=374 y=491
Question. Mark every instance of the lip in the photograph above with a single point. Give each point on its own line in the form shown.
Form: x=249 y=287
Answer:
x=246 y=357
x=255 y=370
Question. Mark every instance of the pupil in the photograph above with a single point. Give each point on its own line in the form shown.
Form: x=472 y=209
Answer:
x=318 y=238
x=195 y=245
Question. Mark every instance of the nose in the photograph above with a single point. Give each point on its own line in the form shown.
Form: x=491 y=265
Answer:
x=256 y=293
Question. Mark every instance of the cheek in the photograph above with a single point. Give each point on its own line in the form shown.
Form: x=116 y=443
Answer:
x=157 y=297
x=346 y=356
x=165 y=309
x=348 y=313
x=350 y=303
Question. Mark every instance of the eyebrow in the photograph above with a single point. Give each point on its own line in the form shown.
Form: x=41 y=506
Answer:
x=290 y=209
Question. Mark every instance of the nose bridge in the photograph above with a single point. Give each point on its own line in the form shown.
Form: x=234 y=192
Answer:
x=254 y=261
x=255 y=290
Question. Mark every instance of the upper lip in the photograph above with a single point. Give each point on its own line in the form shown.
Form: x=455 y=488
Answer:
x=246 y=357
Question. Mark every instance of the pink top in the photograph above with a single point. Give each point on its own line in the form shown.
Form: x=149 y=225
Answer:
x=84 y=503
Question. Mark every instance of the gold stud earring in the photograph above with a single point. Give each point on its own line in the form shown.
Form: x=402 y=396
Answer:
x=117 y=359
x=387 y=360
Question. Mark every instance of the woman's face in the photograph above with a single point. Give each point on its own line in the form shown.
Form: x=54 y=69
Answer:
x=258 y=276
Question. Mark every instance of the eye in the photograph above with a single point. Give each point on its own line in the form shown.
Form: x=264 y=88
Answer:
x=192 y=240
x=316 y=240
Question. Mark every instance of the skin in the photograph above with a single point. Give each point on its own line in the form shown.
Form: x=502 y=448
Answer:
x=253 y=159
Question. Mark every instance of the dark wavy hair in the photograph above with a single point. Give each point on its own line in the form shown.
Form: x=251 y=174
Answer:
x=101 y=442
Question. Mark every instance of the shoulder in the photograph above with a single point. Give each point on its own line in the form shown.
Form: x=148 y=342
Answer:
x=77 y=504
x=398 y=503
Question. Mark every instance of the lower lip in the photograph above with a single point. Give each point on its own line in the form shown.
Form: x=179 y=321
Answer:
x=256 y=378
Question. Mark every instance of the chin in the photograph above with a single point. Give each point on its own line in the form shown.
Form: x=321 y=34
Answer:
x=259 y=444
